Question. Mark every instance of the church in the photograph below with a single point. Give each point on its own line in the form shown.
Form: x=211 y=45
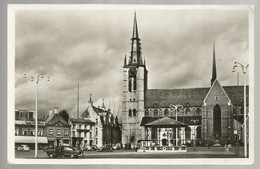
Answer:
x=172 y=117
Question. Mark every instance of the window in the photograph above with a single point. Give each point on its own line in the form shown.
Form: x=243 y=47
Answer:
x=134 y=83
x=66 y=132
x=146 y=112
x=96 y=121
x=68 y=148
x=130 y=85
x=16 y=131
x=24 y=131
x=134 y=112
x=73 y=127
x=50 y=131
x=96 y=131
x=166 y=112
x=65 y=141
x=58 y=132
x=155 y=112
x=32 y=132
x=130 y=113
x=198 y=111
x=90 y=134
x=73 y=134
x=40 y=132
x=216 y=98
x=96 y=141
x=85 y=126
x=79 y=126
x=188 y=112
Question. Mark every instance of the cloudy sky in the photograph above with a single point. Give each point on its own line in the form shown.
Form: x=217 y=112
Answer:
x=88 y=47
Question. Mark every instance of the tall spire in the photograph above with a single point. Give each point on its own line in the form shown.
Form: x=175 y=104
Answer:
x=135 y=30
x=90 y=99
x=135 y=58
x=214 y=69
x=125 y=60
x=103 y=105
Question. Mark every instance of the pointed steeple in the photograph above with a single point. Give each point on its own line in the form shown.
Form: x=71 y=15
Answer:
x=125 y=60
x=103 y=105
x=135 y=30
x=214 y=68
x=90 y=100
x=135 y=57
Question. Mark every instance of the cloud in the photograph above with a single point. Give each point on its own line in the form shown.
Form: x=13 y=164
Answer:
x=88 y=47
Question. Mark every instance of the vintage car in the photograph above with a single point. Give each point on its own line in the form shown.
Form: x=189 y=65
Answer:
x=23 y=147
x=116 y=146
x=63 y=152
x=105 y=147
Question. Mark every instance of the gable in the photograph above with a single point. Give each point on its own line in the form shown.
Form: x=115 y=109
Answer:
x=216 y=94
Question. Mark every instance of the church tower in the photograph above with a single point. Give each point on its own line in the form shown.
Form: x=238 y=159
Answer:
x=134 y=86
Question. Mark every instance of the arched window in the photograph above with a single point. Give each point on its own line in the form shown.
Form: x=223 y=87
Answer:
x=130 y=113
x=155 y=113
x=166 y=112
x=187 y=112
x=147 y=112
x=198 y=111
x=134 y=112
x=217 y=121
x=134 y=83
x=130 y=85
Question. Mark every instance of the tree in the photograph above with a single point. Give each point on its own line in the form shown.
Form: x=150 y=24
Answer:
x=64 y=114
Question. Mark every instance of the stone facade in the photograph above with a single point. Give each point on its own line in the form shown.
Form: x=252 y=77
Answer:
x=208 y=112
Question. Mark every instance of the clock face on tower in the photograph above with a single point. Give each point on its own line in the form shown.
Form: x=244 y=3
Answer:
x=132 y=72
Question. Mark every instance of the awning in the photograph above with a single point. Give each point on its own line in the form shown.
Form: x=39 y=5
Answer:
x=30 y=139
x=165 y=122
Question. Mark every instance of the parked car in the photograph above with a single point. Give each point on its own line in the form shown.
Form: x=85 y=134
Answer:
x=79 y=150
x=105 y=147
x=63 y=151
x=23 y=147
x=94 y=147
x=128 y=146
x=91 y=148
x=116 y=146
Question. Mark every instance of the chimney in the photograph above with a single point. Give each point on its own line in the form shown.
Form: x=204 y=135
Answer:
x=56 y=110
x=50 y=112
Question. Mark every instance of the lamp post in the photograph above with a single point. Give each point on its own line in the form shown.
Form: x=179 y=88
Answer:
x=37 y=80
x=176 y=118
x=244 y=70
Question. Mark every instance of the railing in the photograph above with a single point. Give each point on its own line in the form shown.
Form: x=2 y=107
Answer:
x=182 y=148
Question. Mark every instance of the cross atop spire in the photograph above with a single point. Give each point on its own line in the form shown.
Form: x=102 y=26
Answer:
x=214 y=68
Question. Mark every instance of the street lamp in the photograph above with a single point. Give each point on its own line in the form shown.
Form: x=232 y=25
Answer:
x=37 y=80
x=176 y=118
x=244 y=70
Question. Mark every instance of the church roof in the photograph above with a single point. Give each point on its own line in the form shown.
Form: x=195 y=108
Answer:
x=165 y=97
x=192 y=96
x=189 y=120
x=165 y=122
